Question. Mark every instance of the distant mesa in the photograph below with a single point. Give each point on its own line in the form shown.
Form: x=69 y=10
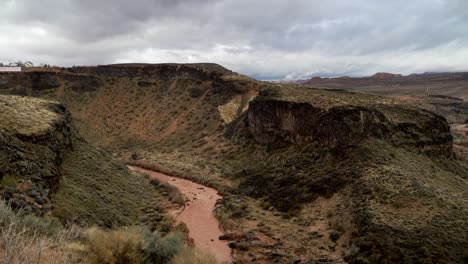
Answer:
x=385 y=75
x=316 y=79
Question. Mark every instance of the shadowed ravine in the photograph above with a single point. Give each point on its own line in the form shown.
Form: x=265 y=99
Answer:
x=197 y=214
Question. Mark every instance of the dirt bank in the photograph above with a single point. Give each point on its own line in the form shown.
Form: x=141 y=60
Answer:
x=198 y=214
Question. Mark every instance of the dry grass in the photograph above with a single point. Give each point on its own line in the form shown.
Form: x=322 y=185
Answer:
x=28 y=239
x=25 y=115
x=114 y=247
x=134 y=245
x=193 y=256
x=95 y=190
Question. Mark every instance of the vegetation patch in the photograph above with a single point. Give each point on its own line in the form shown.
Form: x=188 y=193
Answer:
x=94 y=189
x=292 y=177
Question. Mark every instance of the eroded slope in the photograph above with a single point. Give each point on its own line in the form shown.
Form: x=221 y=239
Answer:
x=46 y=167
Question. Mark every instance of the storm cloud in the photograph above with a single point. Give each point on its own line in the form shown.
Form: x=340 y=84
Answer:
x=266 y=39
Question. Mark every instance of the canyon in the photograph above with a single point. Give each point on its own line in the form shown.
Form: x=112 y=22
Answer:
x=305 y=174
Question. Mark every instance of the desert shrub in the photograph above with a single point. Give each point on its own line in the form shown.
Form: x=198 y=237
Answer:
x=29 y=239
x=230 y=210
x=158 y=250
x=172 y=191
x=226 y=221
x=243 y=245
x=298 y=176
x=193 y=256
x=132 y=245
x=114 y=247
x=28 y=224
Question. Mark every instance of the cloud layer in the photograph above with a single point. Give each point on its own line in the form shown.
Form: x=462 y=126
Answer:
x=267 y=39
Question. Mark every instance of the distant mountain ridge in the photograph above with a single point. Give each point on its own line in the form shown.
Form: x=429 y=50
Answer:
x=384 y=78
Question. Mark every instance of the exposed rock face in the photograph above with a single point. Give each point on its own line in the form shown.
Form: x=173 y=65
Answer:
x=163 y=71
x=40 y=81
x=277 y=121
x=34 y=134
x=301 y=123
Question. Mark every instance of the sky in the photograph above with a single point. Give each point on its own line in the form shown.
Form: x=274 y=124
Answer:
x=265 y=39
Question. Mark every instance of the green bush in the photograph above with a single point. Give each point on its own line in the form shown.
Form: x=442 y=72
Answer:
x=132 y=245
x=160 y=250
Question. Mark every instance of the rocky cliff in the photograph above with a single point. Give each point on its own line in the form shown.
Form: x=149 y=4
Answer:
x=34 y=135
x=301 y=116
x=169 y=71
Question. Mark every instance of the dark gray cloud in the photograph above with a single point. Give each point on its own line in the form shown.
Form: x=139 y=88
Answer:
x=263 y=38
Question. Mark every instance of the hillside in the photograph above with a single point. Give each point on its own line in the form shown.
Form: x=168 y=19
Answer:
x=443 y=93
x=47 y=168
x=65 y=201
x=365 y=154
x=307 y=174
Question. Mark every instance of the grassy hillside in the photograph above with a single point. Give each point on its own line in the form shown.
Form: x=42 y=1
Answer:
x=69 y=202
x=94 y=189
x=46 y=164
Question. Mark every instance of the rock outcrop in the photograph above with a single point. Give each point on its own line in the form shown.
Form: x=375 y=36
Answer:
x=276 y=120
x=169 y=71
x=34 y=135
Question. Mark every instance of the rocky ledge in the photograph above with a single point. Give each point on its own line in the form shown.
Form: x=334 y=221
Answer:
x=34 y=134
x=341 y=119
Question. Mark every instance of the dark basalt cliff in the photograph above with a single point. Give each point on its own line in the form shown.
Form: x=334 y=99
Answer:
x=280 y=122
x=34 y=135
x=36 y=82
x=167 y=71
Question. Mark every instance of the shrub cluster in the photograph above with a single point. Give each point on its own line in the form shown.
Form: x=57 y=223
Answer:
x=132 y=245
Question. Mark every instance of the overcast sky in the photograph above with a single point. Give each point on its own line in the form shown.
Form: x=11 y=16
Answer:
x=266 y=39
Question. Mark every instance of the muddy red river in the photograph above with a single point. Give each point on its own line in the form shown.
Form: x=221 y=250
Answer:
x=197 y=214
